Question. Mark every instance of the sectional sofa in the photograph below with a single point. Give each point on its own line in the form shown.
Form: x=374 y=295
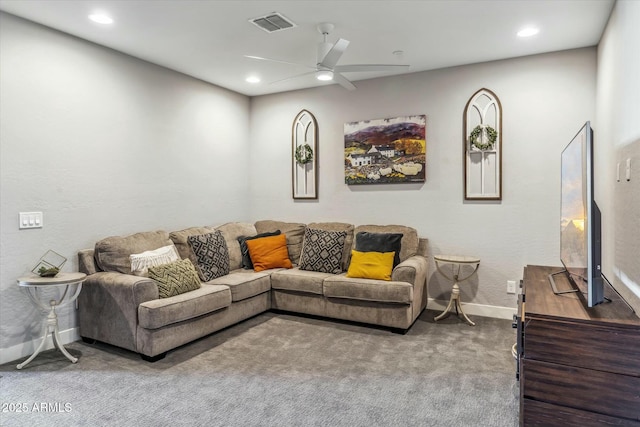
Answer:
x=124 y=310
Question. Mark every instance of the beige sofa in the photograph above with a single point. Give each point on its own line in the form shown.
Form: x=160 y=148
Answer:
x=124 y=310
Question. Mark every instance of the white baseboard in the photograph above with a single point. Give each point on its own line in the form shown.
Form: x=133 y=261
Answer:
x=26 y=349
x=476 y=309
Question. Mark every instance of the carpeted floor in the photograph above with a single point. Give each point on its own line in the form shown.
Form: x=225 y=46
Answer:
x=280 y=370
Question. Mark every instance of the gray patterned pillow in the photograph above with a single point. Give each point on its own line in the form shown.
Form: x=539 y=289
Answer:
x=322 y=250
x=211 y=253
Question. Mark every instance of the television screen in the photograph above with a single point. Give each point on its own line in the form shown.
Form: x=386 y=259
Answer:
x=580 y=246
x=573 y=238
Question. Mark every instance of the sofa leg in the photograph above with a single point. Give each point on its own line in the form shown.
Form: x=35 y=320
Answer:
x=400 y=331
x=153 y=359
x=88 y=340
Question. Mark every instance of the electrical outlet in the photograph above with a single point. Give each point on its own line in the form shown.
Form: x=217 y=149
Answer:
x=511 y=286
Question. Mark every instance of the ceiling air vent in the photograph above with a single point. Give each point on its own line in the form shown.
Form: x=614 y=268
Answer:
x=272 y=22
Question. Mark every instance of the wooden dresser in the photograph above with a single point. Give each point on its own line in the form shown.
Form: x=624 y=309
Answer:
x=577 y=366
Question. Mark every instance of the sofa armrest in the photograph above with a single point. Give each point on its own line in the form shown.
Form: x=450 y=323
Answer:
x=414 y=270
x=108 y=307
x=423 y=247
x=86 y=262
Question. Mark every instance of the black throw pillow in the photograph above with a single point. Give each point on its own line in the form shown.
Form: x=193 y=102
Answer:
x=246 y=259
x=380 y=242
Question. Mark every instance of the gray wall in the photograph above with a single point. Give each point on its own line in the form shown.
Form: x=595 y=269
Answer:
x=617 y=138
x=545 y=100
x=104 y=144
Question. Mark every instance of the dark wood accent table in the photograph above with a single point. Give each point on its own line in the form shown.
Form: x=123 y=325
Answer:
x=578 y=366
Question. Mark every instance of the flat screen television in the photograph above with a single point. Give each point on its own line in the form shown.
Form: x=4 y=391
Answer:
x=580 y=228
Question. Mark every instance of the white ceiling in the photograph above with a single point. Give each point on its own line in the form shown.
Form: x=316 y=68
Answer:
x=208 y=39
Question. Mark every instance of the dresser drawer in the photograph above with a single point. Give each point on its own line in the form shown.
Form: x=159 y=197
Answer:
x=594 y=391
x=610 y=349
x=541 y=414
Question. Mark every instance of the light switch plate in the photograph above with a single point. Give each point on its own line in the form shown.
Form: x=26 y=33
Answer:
x=30 y=220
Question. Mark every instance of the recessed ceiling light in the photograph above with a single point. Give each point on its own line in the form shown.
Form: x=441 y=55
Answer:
x=101 y=18
x=253 y=79
x=528 y=32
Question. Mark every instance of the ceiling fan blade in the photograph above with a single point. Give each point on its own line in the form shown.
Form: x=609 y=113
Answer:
x=277 y=60
x=343 y=81
x=331 y=58
x=292 y=77
x=369 y=67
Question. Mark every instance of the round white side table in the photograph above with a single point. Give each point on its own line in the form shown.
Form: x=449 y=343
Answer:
x=456 y=262
x=33 y=283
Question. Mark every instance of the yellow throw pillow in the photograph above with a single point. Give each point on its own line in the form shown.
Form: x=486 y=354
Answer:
x=269 y=252
x=371 y=265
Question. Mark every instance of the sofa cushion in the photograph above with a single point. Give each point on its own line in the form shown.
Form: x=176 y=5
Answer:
x=141 y=262
x=231 y=231
x=112 y=253
x=294 y=232
x=175 y=278
x=211 y=254
x=180 y=239
x=380 y=242
x=162 y=312
x=244 y=250
x=371 y=265
x=340 y=286
x=269 y=252
x=348 y=241
x=299 y=280
x=409 y=242
x=244 y=284
x=322 y=251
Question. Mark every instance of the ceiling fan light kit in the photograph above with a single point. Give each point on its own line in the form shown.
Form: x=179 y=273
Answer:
x=328 y=55
x=324 y=75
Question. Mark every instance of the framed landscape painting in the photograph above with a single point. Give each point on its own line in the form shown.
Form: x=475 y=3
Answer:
x=385 y=151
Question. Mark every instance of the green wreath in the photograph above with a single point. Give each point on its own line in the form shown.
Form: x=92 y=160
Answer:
x=304 y=154
x=476 y=137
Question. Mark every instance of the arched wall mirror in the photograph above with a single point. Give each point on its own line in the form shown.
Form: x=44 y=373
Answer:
x=483 y=147
x=305 y=156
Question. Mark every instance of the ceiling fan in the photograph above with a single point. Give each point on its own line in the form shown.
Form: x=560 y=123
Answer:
x=328 y=56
